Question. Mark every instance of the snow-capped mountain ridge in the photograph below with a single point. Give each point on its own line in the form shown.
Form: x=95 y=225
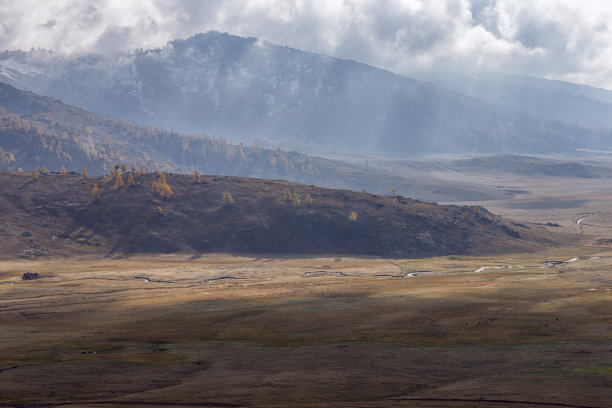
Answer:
x=246 y=89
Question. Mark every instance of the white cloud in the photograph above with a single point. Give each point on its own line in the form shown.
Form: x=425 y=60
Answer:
x=561 y=39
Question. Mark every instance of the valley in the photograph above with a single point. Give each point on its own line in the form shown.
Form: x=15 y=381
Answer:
x=107 y=324
x=221 y=330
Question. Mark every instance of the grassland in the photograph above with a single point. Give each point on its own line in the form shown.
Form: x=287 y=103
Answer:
x=311 y=332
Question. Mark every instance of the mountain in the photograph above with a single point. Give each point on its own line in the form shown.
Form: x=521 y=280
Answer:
x=38 y=131
x=579 y=105
x=245 y=89
x=55 y=215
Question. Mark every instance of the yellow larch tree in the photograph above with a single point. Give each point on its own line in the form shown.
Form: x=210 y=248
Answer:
x=309 y=200
x=227 y=198
x=95 y=193
x=118 y=179
x=296 y=199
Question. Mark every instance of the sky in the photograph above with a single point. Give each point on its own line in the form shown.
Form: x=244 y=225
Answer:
x=557 y=39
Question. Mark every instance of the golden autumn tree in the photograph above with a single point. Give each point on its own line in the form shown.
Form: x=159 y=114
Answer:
x=63 y=170
x=309 y=200
x=142 y=171
x=35 y=174
x=353 y=216
x=130 y=179
x=296 y=199
x=84 y=172
x=197 y=177
x=166 y=191
x=161 y=187
x=118 y=179
x=286 y=194
x=95 y=193
x=227 y=198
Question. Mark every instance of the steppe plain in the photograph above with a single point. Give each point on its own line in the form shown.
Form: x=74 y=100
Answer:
x=513 y=330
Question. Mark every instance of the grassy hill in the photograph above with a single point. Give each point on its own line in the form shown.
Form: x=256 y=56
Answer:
x=56 y=215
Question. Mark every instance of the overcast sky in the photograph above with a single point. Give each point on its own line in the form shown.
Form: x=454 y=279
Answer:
x=562 y=39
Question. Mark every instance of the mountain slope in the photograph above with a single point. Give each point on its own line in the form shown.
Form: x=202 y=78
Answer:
x=245 y=89
x=553 y=100
x=37 y=131
x=56 y=215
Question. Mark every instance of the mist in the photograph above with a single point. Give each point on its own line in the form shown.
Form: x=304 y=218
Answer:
x=564 y=40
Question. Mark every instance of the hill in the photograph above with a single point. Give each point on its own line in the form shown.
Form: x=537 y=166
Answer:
x=38 y=131
x=530 y=166
x=55 y=214
x=245 y=89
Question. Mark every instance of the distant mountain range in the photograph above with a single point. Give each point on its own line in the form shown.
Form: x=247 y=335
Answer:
x=244 y=89
x=579 y=105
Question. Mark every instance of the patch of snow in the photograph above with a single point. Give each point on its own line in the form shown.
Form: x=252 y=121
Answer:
x=490 y=267
x=20 y=68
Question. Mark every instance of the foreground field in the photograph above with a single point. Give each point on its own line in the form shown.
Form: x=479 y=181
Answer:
x=229 y=331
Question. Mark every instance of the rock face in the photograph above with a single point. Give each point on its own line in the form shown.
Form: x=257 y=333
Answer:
x=30 y=276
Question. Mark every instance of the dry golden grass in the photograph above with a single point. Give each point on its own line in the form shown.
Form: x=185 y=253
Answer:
x=308 y=332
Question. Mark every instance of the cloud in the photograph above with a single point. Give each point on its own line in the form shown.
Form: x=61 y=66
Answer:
x=561 y=39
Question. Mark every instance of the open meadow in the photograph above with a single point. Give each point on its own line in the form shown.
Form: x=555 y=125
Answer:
x=217 y=330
